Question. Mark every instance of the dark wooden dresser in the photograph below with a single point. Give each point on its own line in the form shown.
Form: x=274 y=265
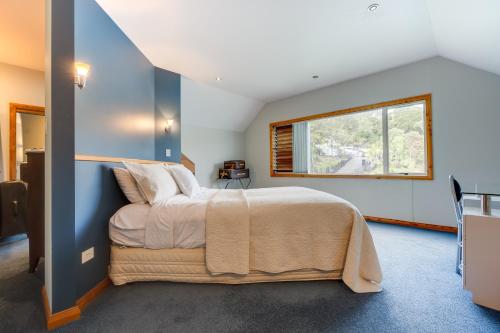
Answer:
x=33 y=173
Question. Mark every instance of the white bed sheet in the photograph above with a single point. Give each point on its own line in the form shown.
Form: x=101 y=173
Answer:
x=180 y=221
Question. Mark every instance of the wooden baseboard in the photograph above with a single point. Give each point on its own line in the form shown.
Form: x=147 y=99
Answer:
x=92 y=294
x=64 y=317
x=419 y=225
x=61 y=318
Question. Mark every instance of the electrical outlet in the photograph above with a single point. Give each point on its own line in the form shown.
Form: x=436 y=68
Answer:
x=87 y=255
x=168 y=152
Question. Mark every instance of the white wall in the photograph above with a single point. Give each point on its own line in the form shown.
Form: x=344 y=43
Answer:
x=213 y=121
x=17 y=85
x=209 y=148
x=466 y=137
x=208 y=106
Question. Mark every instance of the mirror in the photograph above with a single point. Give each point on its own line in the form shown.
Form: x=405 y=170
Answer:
x=27 y=133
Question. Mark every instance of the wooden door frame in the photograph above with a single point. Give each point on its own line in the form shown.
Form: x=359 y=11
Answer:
x=14 y=109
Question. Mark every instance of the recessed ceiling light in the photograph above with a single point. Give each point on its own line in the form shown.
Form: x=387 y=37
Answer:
x=373 y=7
x=315 y=77
x=218 y=78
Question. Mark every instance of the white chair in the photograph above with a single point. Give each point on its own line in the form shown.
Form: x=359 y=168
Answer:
x=456 y=194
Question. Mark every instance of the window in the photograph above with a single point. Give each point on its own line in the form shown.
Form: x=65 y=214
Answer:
x=385 y=140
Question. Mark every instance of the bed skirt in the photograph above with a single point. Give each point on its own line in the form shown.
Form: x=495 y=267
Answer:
x=188 y=265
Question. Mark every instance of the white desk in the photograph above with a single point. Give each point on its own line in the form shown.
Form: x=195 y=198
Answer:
x=485 y=192
x=481 y=257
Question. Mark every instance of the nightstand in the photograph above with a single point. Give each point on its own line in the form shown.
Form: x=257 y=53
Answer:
x=244 y=182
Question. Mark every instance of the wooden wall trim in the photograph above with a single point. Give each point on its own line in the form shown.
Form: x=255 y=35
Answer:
x=64 y=317
x=188 y=163
x=108 y=159
x=14 y=108
x=418 y=225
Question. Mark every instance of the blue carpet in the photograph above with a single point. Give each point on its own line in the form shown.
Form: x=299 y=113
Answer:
x=421 y=293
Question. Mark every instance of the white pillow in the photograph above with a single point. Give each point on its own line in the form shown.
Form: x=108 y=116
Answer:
x=154 y=181
x=185 y=179
x=128 y=185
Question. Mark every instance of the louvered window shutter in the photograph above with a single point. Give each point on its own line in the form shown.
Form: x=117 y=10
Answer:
x=283 y=148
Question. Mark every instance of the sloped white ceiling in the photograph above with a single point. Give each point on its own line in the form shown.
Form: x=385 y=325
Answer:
x=269 y=50
x=468 y=31
x=206 y=106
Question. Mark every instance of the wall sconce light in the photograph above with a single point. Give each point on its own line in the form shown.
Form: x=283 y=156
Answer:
x=81 y=73
x=168 y=125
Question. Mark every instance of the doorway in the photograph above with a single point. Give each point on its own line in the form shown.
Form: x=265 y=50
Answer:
x=26 y=133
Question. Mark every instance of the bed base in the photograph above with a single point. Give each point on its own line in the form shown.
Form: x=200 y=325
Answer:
x=188 y=265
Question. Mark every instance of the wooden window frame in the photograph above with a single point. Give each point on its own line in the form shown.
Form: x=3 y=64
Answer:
x=426 y=98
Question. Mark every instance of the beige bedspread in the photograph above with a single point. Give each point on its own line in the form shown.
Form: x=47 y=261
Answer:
x=290 y=228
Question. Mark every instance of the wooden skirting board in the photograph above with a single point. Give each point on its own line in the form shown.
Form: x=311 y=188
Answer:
x=92 y=294
x=61 y=318
x=412 y=224
x=64 y=317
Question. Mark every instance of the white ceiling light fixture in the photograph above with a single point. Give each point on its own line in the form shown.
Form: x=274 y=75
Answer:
x=373 y=7
x=218 y=78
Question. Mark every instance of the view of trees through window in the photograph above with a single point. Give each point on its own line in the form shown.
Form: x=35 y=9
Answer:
x=406 y=139
x=359 y=143
x=347 y=144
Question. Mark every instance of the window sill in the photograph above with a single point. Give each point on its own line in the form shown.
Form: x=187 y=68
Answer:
x=313 y=175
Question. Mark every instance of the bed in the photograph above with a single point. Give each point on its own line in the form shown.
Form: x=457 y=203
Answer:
x=244 y=236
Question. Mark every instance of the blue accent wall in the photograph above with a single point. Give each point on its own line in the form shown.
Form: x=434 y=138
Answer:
x=114 y=113
x=118 y=114
x=98 y=197
x=61 y=155
x=167 y=106
x=114 y=116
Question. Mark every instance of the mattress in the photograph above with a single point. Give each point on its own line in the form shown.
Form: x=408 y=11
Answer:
x=180 y=221
x=126 y=237
x=188 y=265
x=127 y=226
